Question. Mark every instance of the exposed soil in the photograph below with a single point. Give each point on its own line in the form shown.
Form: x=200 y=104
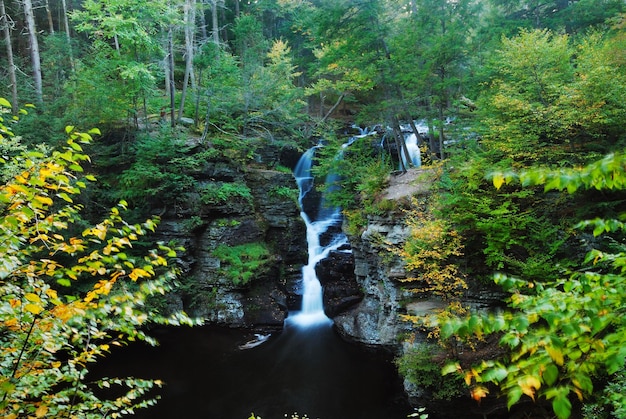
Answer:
x=415 y=181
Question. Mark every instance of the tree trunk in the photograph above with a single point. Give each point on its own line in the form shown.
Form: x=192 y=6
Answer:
x=420 y=140
x=34 y=50
x=341 y=96
x=215 y=28
x=4 y=23
x=224 y=32
x=172 y=92
x=431 y=140
x=66 y=27
x=190 y=18
x=402 y=144
x=49 y=14
x=203 y=31
x=441 y=149
x=237 y=10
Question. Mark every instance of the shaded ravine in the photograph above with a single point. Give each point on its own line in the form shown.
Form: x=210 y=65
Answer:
x=221 y=373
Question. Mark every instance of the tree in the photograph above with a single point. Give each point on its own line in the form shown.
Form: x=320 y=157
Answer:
x=125 y=47
x=6 y=28
x=543 y=97
x=549 y=355
x=189 y=11
x=66 y=299
x=440 y=34
x=34 y=50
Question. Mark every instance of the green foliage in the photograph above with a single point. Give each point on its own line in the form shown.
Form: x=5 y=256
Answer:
x=511 y=230
x=219 y=193
x=419 y=366
x=284 y=192
x=119 y=75
x=548 y=97
x=551 y=356
x=242 y=263
x=161 y=171
x=53 y=332
x=193 y=223
x=611 y=403
x=357 y=175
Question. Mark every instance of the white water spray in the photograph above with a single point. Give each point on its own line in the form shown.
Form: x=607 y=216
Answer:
x=312 y=312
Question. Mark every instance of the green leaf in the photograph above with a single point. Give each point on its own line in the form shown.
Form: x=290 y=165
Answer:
x=561 y=405
x=65 y=197
x=513 y=396
x=550 y=374
x=450 y=368
x=5 y=103
x=64 y=282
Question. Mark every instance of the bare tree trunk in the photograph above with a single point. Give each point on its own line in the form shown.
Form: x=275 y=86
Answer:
x=420 y=140
x=6 y=27
x=441 y=133
x=34 y=50
x=401 y=145
x=190 y=18
x=49 y=14
x=66 y=27
x=215 y=27
x=224 y=32
x=431 y=140
x=203 y=30
x=341 y=96
x=171 y=76
x=237 y=10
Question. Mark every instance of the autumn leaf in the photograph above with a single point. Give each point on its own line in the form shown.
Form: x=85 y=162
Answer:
x=479 y=392
x=529 y=385
x=41 y=411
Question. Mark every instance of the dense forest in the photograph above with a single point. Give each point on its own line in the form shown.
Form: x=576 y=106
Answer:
x=108 y=108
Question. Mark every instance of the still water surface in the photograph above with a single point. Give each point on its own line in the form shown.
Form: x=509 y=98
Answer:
x=306 y=370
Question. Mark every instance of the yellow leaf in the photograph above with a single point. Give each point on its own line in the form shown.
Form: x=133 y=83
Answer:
x=529 y=385
x=33 y=308
x=33 y=298
x=138 y=273
x=56 y=364
x=51 y=293
x=41 y=411
x=555 y=354
x=43 y=199
x=498 y=180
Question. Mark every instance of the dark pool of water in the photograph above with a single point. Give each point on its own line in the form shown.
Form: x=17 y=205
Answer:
x=310 y=371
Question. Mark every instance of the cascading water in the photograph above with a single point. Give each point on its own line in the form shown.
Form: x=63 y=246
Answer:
x=411 y=143
x=312 y=312
x=307 y=368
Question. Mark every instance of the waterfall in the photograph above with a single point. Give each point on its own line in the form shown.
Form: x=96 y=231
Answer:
x=413 y=149
x=411 y=142
x=312 y=312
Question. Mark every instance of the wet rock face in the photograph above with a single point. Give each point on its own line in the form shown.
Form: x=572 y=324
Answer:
x=269 y=217
x=336 y=274
x=375 y=320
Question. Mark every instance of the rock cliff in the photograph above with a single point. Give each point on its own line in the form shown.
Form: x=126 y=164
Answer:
x=243 y=289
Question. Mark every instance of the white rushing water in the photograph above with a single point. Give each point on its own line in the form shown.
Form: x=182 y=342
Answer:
x=312 y=312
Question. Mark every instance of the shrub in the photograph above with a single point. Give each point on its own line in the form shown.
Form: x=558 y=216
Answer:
x=241 y=263
x=221 y=193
